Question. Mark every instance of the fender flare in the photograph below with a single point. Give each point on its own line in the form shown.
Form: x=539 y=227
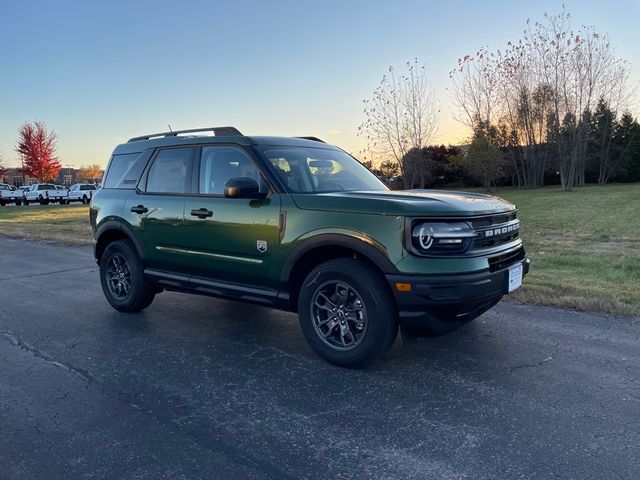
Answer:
x=360 y=245
x=114 y=225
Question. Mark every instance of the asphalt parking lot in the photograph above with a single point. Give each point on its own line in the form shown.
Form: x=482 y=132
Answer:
x=201 y=388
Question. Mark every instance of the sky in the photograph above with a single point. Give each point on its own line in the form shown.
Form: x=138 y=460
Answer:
x=98 y=73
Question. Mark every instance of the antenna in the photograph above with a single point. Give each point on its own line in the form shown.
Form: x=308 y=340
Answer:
x=169 y=125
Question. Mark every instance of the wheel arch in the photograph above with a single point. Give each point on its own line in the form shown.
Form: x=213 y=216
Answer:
x=109 y=232
x=321 y=248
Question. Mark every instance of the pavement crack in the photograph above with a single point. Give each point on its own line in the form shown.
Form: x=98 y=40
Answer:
x=48 y=273
x=17 y=341
x=531 y=365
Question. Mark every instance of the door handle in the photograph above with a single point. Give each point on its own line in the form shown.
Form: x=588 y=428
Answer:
x=139 y=209
x=201 y=213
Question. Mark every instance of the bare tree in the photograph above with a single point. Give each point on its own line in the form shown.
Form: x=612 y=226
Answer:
x=543 y=87
x=401 y=116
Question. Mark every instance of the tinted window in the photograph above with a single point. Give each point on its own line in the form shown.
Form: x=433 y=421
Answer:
x=219 y=164
x=87 y=187
x=125 y=170
x=171 y=171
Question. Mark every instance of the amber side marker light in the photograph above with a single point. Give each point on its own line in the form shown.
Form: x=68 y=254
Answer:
x=403 y=287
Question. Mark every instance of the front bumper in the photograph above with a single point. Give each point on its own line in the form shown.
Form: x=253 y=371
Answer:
x=461 y=294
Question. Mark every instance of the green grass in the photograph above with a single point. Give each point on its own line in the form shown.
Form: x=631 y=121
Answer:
x=65 y=224
x=584 y=245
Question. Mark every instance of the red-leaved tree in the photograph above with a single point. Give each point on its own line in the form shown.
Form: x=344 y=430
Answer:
x=37 y=147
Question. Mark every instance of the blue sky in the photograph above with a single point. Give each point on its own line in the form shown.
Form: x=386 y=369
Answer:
x=100 y=72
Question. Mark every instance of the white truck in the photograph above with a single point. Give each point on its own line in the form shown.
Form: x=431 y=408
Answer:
x=8 y=195
x=80 y=192
x=44 y=193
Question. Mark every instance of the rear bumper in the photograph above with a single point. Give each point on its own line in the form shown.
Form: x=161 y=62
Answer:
x=463 y=295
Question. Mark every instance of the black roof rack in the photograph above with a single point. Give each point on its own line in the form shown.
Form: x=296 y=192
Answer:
x=218 y=132
x=315 y=139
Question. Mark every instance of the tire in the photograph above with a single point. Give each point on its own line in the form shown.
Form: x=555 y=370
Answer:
x=140 y=293
x=26 y=202
x=446 y=319
x=85 y=200
x=2 y=204
x=370 y=329
x=18 y=203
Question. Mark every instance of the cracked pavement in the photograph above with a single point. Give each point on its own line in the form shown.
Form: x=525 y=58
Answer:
x=196 y=387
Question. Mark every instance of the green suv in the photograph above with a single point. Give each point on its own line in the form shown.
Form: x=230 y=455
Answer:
x=299 y=225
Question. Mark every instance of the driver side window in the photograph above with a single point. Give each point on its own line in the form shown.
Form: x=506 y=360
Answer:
x=219 y=164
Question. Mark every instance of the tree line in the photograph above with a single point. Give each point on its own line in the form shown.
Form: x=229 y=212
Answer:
x=552 y=107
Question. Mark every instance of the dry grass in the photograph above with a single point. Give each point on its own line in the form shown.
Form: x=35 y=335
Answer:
x=66 y=224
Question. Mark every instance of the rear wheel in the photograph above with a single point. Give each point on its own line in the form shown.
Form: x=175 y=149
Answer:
x=122 y=278
x=347 y=313
x=85 y=200
x=18 y=202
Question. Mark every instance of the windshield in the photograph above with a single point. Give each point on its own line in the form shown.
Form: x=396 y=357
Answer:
x=315 y=170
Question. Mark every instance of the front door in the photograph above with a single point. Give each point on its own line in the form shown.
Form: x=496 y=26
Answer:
x=231 y=239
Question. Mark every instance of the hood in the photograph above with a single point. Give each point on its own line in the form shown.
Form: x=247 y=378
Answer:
x=405 y=203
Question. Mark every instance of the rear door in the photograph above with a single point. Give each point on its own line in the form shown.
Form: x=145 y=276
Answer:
x=156 y=208
x=231 y=239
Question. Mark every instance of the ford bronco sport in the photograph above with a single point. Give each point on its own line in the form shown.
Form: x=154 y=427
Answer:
x=299 y=225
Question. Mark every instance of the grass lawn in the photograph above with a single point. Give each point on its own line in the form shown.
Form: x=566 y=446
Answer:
x=65 y=224
x=584 y=245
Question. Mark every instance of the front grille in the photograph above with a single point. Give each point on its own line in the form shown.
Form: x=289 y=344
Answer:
x=500 y=262
x=495 y=230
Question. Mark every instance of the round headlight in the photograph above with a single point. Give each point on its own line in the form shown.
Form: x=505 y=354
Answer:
x=442 y=237
x=424 y=236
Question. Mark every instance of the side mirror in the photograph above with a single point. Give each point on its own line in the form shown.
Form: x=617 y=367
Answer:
x=242 y=187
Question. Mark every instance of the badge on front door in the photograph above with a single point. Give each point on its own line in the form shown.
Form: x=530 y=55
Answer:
x=261 y=245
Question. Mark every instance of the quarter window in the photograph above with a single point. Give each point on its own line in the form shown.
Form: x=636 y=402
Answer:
x=171 y=171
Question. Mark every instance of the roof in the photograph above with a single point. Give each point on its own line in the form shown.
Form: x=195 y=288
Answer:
x=170 y=139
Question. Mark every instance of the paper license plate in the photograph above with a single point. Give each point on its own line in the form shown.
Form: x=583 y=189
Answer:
x=515 y=277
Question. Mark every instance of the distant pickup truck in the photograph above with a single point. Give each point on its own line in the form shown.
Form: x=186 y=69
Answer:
x=44 y=193
x=8 y=194
x=80 y=192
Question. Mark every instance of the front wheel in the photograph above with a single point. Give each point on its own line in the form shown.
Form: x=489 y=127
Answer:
x=122 y=278
x=85 y=200
x=18 y=203
x=347 y=313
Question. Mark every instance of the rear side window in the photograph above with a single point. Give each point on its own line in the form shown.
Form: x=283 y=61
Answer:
x=171 y=171
x=87 y=187
x=125 y=170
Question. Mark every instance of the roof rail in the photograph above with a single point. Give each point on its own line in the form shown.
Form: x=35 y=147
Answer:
x=315 y=139
x=218 y=132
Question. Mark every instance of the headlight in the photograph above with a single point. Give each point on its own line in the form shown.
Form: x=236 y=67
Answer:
x=437 y=238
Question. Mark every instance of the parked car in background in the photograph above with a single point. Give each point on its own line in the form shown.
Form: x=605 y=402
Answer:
x=80 y=192
x=9 y=194
x=44 y=193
